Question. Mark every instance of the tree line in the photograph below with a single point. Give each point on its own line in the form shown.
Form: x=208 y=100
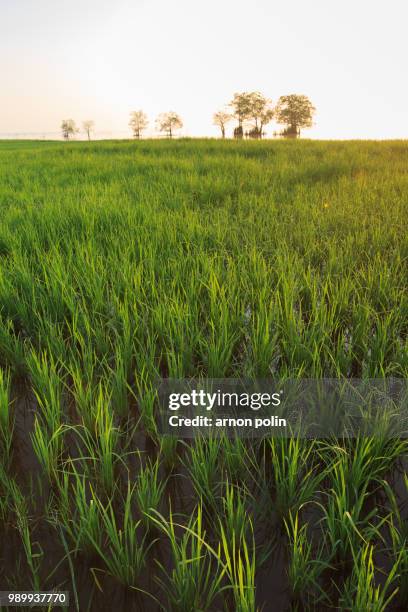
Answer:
x=69 y=128
x=165 y=122
x=251 y=110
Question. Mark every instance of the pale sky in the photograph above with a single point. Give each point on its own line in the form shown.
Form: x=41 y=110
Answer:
x=101 y=59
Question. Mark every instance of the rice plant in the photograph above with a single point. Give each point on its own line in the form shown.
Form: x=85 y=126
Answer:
x=195 y=579
x=6 y=419
x=48 y=389
x=6 y=497
x=295 y=473
x=398 y=528
x=239 y=562
x=306 y=565
x=346 y=520
x=78 y=513
x=202 y=463
x=101 y=443
x=146 y=397
x=235 y=506
x=149 y=490
x=124 y=549
x=47 y=437
x=238 y=459
x=32 y=549
x=361 y=591
x=47 y=446
x=169 y=451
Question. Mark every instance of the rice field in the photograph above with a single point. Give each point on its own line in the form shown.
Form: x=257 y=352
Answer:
x=125 y=262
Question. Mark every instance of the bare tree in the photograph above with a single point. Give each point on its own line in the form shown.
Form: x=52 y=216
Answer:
x=138 y=122
x=168 y=122
x=295 y=112
x=88 y=127
x=220 y=119
x=68 y=128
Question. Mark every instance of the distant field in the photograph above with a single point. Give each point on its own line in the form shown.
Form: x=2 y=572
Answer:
x=122 y=262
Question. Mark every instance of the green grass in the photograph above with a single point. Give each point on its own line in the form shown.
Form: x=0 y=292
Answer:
x=6 y=419
x=124 y=262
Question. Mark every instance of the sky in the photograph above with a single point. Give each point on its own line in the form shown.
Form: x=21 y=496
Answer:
x=101 y=59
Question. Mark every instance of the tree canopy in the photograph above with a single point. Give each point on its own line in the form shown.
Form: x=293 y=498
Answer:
x=88 y=127
x=251 y=107
x=138 y=122
x=241 y=106
x=68 y=128
x=295 y=112
x=260 y=111
x=221 y=118
x=168 y=122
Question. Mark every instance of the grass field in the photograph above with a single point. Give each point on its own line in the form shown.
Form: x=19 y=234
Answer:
x=121 y=262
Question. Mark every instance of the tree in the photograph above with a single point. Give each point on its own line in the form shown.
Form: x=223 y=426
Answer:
x=220 y=119
x=260 y=110
x=68 y=128
x=138 y=122
x=251 y=106
x=88 y=127
x=168 y=122
x=295 y=112
x=241 y=105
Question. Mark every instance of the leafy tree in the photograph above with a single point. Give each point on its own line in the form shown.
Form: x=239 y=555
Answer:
x=295 y=112
x=241 y=105
x=168 y=122
x=220 y=119
x=260 y=110
x=251 y=106
x=88 y=127
x=68 y=128
x=138 y=122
